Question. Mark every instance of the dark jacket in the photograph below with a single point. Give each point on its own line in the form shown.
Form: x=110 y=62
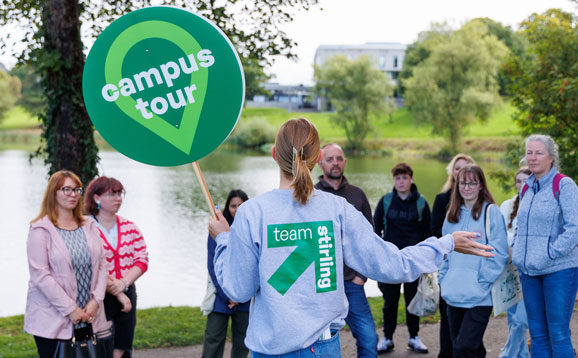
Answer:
x=438 y=214
x=356 y=197
x=403 y=225
x=221 y=301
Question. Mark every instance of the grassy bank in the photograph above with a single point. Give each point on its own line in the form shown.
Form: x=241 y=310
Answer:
x=19 y=130
x=157 y=327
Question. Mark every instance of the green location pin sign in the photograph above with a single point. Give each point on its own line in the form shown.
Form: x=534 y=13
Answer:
x=163 y=86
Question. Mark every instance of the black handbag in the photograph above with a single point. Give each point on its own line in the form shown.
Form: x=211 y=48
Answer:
x=84 y=344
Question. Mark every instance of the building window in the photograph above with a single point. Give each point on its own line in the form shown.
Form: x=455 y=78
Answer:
x=394 y=61
x=381 y=62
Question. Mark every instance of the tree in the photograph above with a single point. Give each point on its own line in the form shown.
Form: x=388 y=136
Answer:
x=54 y=47
x=10 y=90
x=31 y=98
x=545 y=84
x=457 y=82
x=358 y=91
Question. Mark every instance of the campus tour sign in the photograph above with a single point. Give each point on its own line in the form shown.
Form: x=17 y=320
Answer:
x=163 y=86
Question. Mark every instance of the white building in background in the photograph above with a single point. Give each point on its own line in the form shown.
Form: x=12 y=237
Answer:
x=387 y=56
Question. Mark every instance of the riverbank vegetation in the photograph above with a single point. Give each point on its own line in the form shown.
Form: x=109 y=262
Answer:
x=157 y=327
x=258 y=126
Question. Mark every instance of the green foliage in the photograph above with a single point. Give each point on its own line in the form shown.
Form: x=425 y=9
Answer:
x=31 y=98
x=53 y=46
x=358 y=91
x=254 y=132
x=515 y=42
x=545 y=84
x=254 y=77
x=9 y=92
x=511 y=163
x=457 y=82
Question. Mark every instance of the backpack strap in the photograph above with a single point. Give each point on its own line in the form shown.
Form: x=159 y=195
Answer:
x=386 y=203
x=420 y=206
x=556 y=185
x=487 y=223
x=524 y=190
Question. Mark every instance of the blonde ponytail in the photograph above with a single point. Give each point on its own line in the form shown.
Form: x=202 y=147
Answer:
x=297 y=149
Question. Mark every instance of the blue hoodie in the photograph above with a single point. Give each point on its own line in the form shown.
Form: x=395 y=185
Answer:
x=289 y=258
x=466 y=281
x=547 y=233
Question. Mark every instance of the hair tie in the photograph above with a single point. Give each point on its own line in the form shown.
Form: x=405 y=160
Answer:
x=295 y=153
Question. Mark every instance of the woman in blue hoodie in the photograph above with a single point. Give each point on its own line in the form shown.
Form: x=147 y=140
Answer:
x=545 y=249
x=287 y=247
x=466 y=281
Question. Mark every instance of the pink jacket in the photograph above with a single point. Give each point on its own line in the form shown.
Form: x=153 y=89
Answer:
x=52 y=287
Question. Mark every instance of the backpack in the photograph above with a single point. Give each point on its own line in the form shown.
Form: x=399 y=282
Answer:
x=387 y=202
x=555 y=187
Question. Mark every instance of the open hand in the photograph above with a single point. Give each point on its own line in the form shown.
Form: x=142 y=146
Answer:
x=464 y=243
x=218 y=226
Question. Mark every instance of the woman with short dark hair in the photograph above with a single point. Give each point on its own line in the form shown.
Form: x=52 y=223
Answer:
x=126 y=254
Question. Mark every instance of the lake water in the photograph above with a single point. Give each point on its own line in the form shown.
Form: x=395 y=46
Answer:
x=168 y=206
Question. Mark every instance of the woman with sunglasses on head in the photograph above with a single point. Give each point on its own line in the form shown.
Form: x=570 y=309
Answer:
x=225 y=308
x=126 y=254
x=466 y=282
x=286 y=250
x=67 y=266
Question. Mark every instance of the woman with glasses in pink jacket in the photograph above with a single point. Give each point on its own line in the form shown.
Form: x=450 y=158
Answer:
x=67 y=269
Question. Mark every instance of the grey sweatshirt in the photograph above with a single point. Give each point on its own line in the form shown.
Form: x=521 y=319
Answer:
x=289 y=258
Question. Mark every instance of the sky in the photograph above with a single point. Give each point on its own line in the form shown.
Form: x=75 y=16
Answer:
x=347 y=22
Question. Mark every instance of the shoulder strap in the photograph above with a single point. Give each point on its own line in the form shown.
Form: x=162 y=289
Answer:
x=420 y=206
x=556 y=185
x=487 y=222
x=386 y=203
x=524 y=190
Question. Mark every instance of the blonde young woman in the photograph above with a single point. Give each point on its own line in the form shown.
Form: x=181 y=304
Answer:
x=287 y=248
x=67 y=267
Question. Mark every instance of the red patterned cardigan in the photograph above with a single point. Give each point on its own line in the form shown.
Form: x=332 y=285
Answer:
x=130 y=250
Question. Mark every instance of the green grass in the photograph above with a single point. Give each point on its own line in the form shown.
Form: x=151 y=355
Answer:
x=156 y=327
x=18 y=118
x=402 y=124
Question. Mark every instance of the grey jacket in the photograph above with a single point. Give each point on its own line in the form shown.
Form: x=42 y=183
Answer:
x=547 y=235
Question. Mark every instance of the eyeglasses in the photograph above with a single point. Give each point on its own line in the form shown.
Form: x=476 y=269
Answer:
x=464 y=185
x=117 y=193
x=68 y=190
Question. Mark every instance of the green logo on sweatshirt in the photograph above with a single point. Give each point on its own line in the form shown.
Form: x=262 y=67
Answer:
x=315 y=243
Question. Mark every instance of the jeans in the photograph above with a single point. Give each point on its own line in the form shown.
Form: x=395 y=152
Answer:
x=549 y=301
x=360 y=320
x=391 y=293
x=516 y=345
x=327 y=348
x=467 y=327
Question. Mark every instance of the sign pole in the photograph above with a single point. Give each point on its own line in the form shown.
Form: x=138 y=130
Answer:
x=204 y=189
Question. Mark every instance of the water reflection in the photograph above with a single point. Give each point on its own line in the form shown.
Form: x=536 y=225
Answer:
x=168 y=206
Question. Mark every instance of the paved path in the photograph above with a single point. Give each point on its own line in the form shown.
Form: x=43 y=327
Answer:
x=494 y=339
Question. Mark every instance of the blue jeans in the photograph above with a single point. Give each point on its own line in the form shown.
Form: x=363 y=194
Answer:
x=516 y=344
x=327 y=348
x=549 y=301
x=360 y=321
